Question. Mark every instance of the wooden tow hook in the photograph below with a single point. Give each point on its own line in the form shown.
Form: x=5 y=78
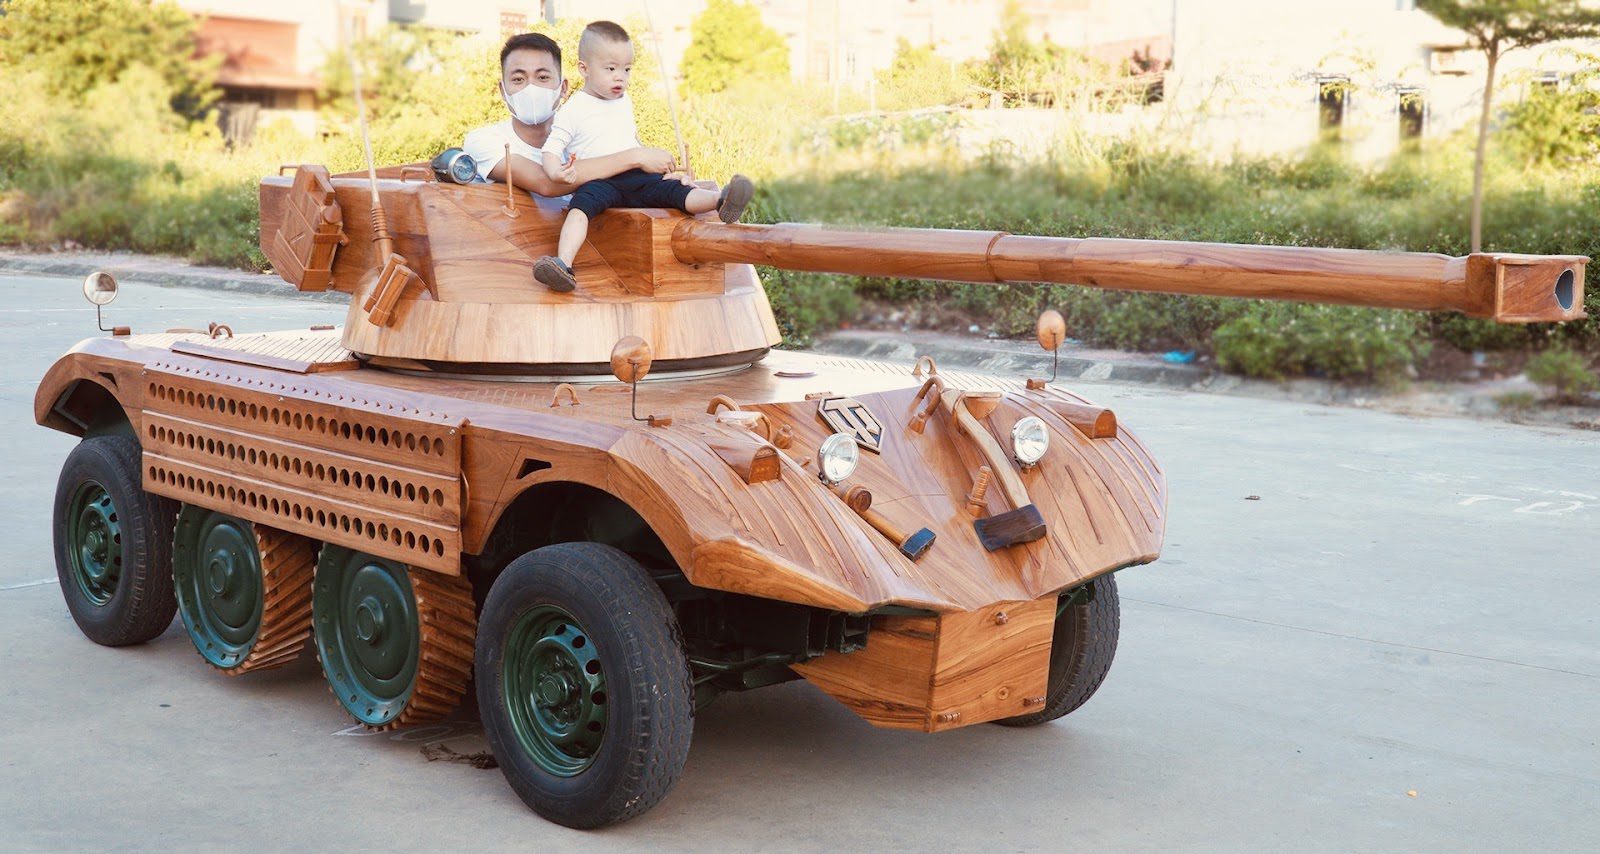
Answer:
x=913 y=545
x=568 y=390
x=936 y=385
x=916 y=371
x=753 y=420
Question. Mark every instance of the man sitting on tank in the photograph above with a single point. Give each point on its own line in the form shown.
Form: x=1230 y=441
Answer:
x=531 y=85
x=598 y=121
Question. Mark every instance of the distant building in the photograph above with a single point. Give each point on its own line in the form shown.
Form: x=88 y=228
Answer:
x=1264 y=76
x=1249 y=75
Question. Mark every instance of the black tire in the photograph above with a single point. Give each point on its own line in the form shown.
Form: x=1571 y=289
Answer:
x=598 y=606
x=1081 y=650
x=101 y=511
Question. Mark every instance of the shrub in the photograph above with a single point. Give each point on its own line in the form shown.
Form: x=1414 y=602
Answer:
x=1277 y=340
x=1565 y=372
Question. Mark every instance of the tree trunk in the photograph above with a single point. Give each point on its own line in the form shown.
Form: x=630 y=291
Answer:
x=1493 y=54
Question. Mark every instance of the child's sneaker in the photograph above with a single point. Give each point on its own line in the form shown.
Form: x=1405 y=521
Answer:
x=734 y=198
x=555 y=275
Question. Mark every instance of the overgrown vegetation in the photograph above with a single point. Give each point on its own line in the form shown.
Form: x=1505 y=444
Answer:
x=1565 y=373
x=115 y=166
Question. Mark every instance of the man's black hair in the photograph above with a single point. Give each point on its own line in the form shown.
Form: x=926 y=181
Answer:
x=530 y=41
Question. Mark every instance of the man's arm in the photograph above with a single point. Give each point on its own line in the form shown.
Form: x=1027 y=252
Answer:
x=531 y=176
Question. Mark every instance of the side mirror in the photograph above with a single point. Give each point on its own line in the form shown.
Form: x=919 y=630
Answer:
x=99 y=288
x=630 y=362
x=1052 y=330
x=1052 y=333
x=630 y=359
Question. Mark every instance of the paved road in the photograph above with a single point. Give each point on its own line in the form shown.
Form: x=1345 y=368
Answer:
x=1352 y=607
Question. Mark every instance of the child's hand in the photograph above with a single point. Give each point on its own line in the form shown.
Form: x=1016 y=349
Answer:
x=567 y=173
x=656 y=160
x=682 y=176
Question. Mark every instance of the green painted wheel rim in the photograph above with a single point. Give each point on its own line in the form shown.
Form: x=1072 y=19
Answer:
x=555 y=689
x=94 y=537
x=367 y=632
x=216 y=574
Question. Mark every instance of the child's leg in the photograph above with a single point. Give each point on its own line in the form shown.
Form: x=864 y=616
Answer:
x=589 y=200
x=700 y=201
x=654 y=191
x=729 y=202
x=573 y=232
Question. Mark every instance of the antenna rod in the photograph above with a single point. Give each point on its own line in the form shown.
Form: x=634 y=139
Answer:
x=380 y=220
x=672 y=107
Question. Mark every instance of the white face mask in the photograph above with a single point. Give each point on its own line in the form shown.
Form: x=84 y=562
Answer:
x=532 y=104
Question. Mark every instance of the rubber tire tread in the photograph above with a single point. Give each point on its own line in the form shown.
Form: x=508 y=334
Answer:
x=144 y=604
x=617 y=604
x=1081 y=650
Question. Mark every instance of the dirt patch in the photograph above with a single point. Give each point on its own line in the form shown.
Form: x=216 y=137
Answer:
x=1446 y=363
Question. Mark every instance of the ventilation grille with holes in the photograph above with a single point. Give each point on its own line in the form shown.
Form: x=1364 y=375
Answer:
x=371 y=475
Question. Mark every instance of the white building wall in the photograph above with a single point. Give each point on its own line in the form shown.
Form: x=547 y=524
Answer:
x=1245 y=75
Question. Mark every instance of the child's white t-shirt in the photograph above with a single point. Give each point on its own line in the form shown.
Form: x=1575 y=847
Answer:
x=587 y=126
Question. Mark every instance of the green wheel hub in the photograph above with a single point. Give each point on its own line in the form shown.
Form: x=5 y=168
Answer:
x=367 y=633
x=94 y=542
x=216 y=573
x=555 y=689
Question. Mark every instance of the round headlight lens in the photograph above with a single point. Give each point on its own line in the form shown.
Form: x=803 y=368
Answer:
x=1029 y=440
x=837 y=458
x=455 y=166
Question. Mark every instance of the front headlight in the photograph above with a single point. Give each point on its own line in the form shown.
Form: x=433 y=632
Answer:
x=455 y=166
x=1029 y=440
x=836 y=459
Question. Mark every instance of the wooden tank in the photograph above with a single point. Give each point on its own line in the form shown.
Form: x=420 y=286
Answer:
x=608 y=506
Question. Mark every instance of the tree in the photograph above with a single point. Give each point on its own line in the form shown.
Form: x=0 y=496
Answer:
x=1025 y=71
x=1496 y=27
x=1554 y=126
x=729 y=42
x=77 y=45
x=918 y=77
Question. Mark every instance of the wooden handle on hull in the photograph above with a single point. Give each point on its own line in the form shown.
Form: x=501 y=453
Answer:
x=1499 y=286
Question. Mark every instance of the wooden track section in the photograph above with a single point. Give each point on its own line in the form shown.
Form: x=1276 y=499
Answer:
x=288 y=563
x=448 y=627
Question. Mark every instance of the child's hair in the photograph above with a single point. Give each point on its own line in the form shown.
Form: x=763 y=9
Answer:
x=600 y=32
x=531 y=41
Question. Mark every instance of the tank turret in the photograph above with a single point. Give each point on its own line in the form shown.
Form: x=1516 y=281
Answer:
x=468 y=301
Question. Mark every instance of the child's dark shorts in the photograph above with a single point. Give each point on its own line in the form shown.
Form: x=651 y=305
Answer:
x=634 y=188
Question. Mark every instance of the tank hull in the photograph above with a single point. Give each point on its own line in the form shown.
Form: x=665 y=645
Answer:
x=291 y=431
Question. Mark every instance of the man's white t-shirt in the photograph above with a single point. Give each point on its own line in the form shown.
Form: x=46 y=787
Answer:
x=487 y=146
x=587 y=126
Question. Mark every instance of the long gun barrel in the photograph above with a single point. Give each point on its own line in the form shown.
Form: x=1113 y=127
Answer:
x=1504 y=287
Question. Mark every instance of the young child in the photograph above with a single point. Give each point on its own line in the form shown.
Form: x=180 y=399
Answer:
x=596 y=121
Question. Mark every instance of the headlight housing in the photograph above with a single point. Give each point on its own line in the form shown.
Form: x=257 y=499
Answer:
x=837 y=458
x=1029 y=440
x=455 y=166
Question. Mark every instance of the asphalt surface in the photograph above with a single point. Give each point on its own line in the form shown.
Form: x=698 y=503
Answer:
x=1367 y=632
